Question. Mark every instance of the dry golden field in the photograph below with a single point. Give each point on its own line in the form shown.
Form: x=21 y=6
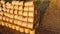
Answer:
x=50 y=21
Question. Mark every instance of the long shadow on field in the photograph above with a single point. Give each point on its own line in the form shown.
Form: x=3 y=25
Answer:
x=42 y=7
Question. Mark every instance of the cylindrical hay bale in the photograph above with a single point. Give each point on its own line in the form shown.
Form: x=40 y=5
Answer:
x=3 y=5
x=19 y=17
x=30 y=20
x=25 y=14
x=1 y=13
x=6 y=24
x=2 y=2
x=15 y=12
x=2 y=23
x=26 y=4
x=13 y=2
x=9 y=25
x=9 y=7
x=26 y=9
x=20 y=13
x=30 y=3
x=24 y=24
x=4 y=18
x=8 y=10
x=7 y=19
x=11 y=20
x=15 y=21
x=12 y=7
x=4 y=9
x=11 y=11
x=21 y=29
x=10 y=15
x=24 y=19
x=19 y=23
x=32 y=31
x=15 y=16
x=21 y=3
x=27 y=30
x=31 y=9
x=17 y=28
x=16 y=7
x=30 y=25
x=20 y=8
x=31 y=14
x=7 y=4
x=5 y=14
x=1 y=17
x=1 y=9
x=17 y=3
x=13 y=27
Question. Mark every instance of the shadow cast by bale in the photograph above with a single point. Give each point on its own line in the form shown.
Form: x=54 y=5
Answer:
x=42 y=8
